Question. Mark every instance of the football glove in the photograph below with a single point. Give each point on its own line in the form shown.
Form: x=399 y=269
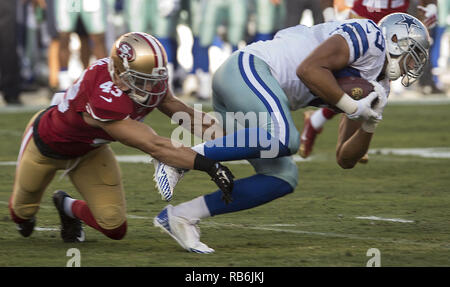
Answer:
x=223 y=178
x=364 y=110
x=430 y=14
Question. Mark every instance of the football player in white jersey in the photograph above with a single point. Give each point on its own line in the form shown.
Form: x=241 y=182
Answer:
x=296 y=69
x=362 y=9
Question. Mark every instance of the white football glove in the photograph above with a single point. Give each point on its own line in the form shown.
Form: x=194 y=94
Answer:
x=430 y=15
x=364 y=110
x=371 y=124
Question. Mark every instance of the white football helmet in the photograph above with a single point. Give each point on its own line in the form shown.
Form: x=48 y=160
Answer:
x=407 y=45
x=140 y=61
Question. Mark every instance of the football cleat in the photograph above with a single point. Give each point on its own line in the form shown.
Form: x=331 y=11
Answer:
x=308 y=135
x=185 y=232
x=364 y=159
x=71 y=228
x=166 y=178
x=26 y=228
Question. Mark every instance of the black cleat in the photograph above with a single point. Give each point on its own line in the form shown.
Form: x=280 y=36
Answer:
x=26 y=228
x=71 y=228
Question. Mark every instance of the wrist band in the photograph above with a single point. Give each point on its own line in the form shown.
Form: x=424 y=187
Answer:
x=347 y=104
x=203 y=163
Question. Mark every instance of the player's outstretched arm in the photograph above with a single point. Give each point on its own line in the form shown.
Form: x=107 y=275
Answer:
x=141 y=136
x=199 y=121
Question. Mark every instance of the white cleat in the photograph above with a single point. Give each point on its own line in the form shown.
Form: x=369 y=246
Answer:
x=184 y=231
x=166 y=178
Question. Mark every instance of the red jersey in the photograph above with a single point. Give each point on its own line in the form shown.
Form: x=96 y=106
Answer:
x=375 y=10
x=62 y=127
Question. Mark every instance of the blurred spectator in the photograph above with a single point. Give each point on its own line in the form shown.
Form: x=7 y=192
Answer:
x=9 y=61
x=295 y=9
x=270 y=17
x=158 y=18
x=429 y=81
x=93 y=16
x=198 y=82
x=231 y=14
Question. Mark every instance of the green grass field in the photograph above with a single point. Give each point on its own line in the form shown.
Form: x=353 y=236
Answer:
x=317 y=225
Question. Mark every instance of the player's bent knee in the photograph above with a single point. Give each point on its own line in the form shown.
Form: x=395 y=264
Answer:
x=111 y=217
x=22 y=212
x=116 y=233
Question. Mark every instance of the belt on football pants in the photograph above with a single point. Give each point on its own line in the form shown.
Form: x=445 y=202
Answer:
x=41 y=145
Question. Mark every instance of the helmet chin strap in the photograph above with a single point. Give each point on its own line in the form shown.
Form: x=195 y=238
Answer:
x=393 y=70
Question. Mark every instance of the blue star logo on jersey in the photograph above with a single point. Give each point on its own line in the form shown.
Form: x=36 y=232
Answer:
x=408 y=22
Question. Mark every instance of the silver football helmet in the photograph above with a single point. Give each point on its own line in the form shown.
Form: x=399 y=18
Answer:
x=407 y=45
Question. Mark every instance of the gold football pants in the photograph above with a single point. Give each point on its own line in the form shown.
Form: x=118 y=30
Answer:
x=96 y=176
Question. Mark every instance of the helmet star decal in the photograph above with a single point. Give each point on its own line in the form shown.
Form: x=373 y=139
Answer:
x=408 y=22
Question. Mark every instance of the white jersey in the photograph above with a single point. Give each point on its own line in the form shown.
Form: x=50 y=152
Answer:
x=291 y=46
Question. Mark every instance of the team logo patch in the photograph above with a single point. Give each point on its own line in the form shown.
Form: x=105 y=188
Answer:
x=357 y=93
x=125 y=51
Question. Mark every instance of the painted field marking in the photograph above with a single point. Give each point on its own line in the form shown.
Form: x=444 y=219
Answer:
x=441 y=152
x=46 y=229
x=432 y=152
x=385 y=219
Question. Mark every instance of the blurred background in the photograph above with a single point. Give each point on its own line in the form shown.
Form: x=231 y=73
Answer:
x=45 y=44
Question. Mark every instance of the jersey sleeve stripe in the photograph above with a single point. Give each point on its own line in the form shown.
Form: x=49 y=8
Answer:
x=362 y=36
x=354 y=40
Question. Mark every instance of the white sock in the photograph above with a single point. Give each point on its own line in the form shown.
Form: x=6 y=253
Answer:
x=200 y=148
x=68 y=206
x=194 y=210
x=64 y=80
x=318 y=119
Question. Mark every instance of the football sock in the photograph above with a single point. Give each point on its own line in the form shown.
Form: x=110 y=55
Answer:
x=320 y=117
x=243 y=144
x=328 y=113
x=195 y=209
x=200 y=56
x=64 y=79
x=81 y=211
x=170 y=45
x=318 y=120
x=248 y=193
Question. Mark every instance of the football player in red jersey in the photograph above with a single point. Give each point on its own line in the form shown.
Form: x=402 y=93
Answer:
x=107 y=103
x=373 y=10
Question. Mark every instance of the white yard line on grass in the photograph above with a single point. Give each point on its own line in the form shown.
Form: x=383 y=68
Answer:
x=432 y=152
x=435 y=152
x=385 y=219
